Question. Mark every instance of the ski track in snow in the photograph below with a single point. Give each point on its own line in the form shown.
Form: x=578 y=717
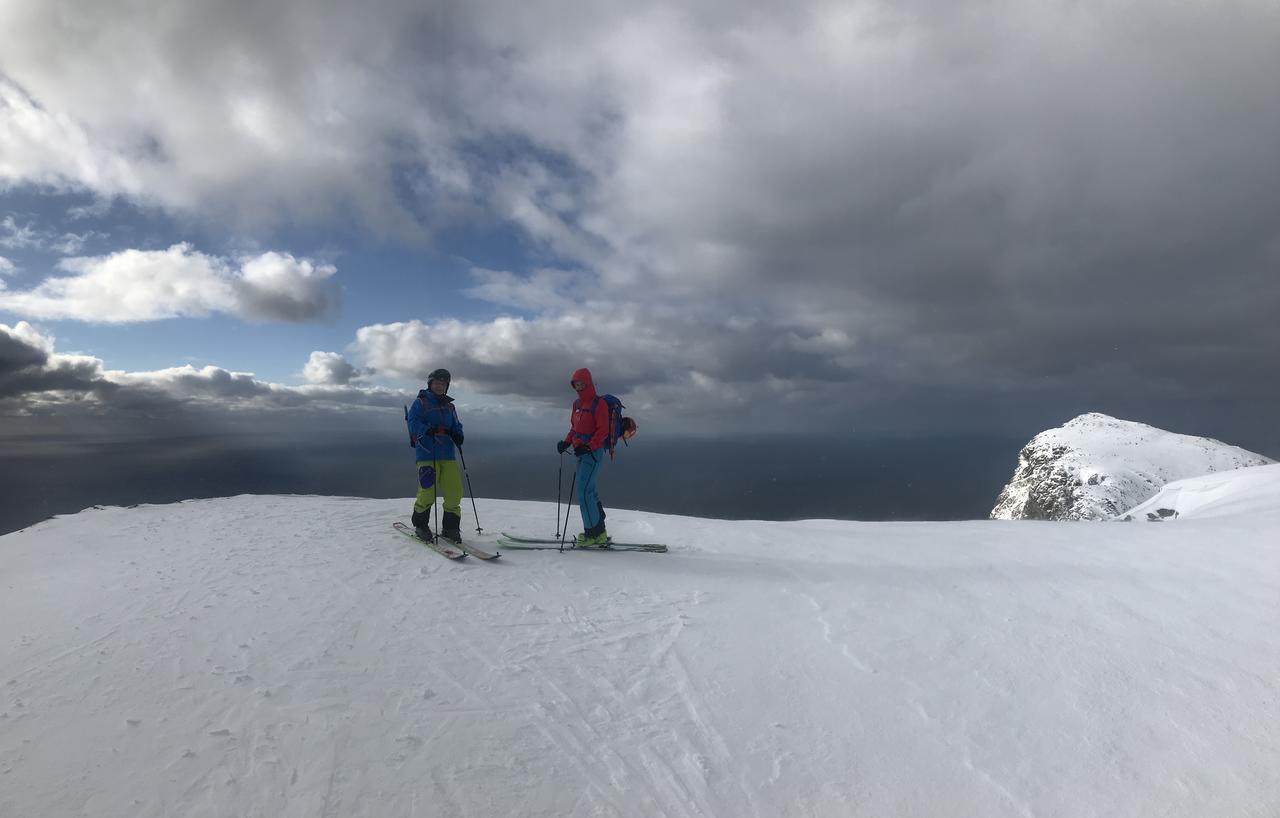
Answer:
x=294 y=656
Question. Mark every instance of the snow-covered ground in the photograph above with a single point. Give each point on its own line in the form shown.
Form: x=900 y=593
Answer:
x=294 y=656
x=1239 y=492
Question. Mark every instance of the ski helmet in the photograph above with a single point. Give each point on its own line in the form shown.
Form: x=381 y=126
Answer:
x=439 y=375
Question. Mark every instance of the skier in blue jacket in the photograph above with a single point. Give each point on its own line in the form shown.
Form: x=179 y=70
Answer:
x=435 y=430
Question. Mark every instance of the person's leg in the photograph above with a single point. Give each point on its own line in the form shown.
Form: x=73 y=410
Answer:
x=427 y=480
x=426 y=497
x=449 y=478
x=588 y=497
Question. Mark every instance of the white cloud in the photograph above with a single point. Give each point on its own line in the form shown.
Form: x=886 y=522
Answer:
x=7 y=267
x=27 y=236
x=543 y=289
x=279 y=287
x=243 y=390
x=631 y=349
x=52 y=149
x=191 y=382
x=18 y=236
x=69 y=244
x=151 y=285
x=33 y=374
x=29 y=336
x=328 y=368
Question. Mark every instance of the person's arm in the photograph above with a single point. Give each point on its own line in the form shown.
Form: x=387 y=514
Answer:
x=418 y=420
x=568 y=438
x=455 y=430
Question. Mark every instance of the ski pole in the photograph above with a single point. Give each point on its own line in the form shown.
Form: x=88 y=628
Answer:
x=469 y=489
x=435 y=489
x=559 y=483
x=567 y=506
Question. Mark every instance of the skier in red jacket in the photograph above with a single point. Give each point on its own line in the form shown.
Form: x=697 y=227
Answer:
x=588 y=433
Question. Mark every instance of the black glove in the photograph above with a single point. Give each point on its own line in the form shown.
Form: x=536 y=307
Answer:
x=581 y=449
x=562 y=446
x=456 y=436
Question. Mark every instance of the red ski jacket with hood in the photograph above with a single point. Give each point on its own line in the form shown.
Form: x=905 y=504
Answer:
x=589 y=420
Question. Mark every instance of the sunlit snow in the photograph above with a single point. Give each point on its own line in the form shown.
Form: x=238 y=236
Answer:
x=294 y=656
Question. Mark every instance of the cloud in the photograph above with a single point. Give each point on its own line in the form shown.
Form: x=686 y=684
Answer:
x=151 y=285
x=27 y=236
x=714 y=364
x=837 y=197
x=36 y=378
x=278 y=287
x=7 y=267
x=542 y=290
x=52 y=149
x=21 y=347
x=18 y=236
x=30 y=369
x=328 y=368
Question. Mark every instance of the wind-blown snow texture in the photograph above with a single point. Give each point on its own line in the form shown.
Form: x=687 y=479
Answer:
x=294 y=656
x=1214 y=495
x=1095 y=467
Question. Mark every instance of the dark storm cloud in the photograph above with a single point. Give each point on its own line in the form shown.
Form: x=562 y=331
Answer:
x=36 y=380
x=1079 y=197
x=26 y=368
x=16 y=354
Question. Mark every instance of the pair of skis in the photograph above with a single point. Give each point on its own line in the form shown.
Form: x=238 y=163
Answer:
x=456 y=551
x=547 y=544
x=447 y=548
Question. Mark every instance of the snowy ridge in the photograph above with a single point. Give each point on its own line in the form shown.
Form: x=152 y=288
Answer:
x=1240 y=492
x=294 y=656
x=1096 y=467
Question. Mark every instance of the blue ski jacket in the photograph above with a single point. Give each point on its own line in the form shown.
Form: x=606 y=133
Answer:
x=431 y=418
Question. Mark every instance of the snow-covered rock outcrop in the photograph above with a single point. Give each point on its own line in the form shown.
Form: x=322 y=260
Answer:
x=1096 y=467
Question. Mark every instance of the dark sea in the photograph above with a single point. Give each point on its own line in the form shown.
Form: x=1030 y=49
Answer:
x=732 y=478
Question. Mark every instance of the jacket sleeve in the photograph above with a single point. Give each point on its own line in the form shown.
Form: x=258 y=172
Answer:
x=457 y=424
x=601 y=416
x=417 y=420
x=568 y=438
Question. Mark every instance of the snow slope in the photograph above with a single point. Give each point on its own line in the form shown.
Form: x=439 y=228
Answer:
x=1238 y=492
x=1095 y=467
x=294 y=656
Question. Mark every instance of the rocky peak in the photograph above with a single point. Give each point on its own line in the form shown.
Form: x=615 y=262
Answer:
x=1096 y=467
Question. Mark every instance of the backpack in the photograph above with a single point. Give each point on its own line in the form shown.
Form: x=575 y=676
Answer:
x=620 y=427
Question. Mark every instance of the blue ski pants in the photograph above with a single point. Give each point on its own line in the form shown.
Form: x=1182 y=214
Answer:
x=587 y=496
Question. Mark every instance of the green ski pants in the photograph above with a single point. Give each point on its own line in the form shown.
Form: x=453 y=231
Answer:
x=448 y=480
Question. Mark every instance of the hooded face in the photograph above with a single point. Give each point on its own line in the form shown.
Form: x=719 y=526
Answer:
x=582 y=384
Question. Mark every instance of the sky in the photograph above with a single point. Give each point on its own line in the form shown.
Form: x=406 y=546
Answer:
x=812 y=220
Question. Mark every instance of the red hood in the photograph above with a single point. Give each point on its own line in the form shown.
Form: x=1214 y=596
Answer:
x=584 y=375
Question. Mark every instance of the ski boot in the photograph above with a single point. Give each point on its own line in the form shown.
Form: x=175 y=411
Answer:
x=422 y=525
x=594 y=537
x=450 y=527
